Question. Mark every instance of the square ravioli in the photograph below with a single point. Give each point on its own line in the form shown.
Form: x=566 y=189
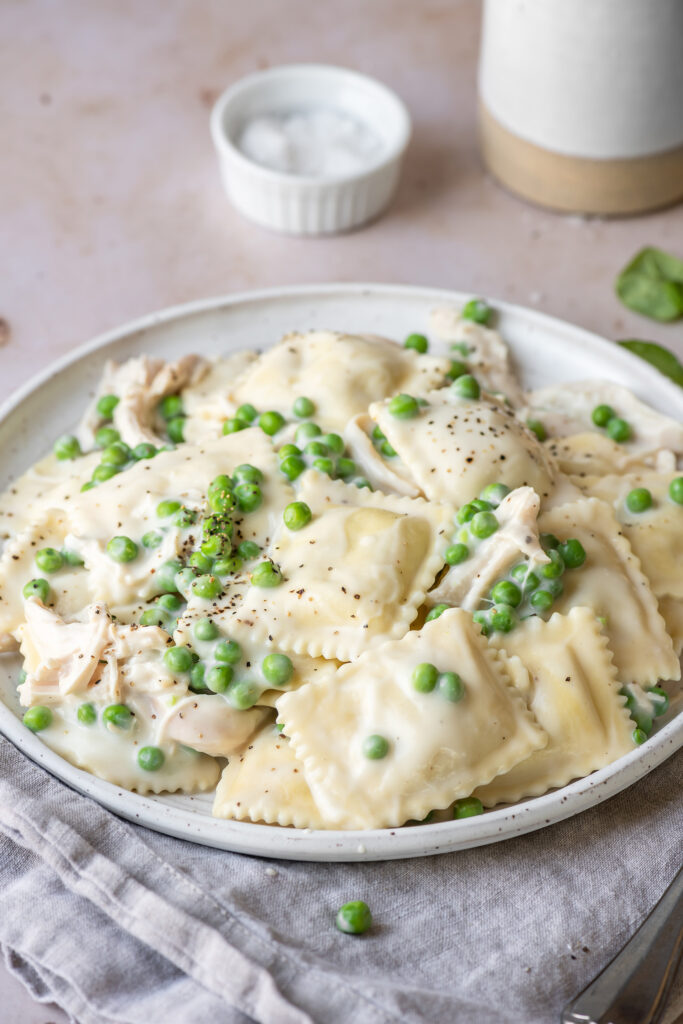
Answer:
x=354 y=576
x=574 y=694
x=380 y=748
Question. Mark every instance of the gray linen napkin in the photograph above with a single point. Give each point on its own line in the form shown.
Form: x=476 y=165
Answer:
x=118 y=924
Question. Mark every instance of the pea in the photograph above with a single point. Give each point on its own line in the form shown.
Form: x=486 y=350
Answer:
x=248 y=497
x=451 y=687
x=49 y=560
x=266 y=575
x=676 y=490
x=457 y=369
x=118 y=715
x=456 y=553
x=246 y=413
x=232 y=425
x=436 y=611
x=555 y=567
x=293 y=466
x=184 y=578
x=116 y=454
x=122 y=549
x=316 y=448
x=198 y=560
x=277 y=669
x=227 y=566
x=206 y=587
x=101 y=473
x=468 y=807
x=228 y=651
x=221 y=502
x=483 y=524
x=151 y=759
x=466 y=513
x=37 y=718
x=346 y=468
x=178 y=659
x=520 y=572
x=375 y=747
x=86 y=714
x=403 y=407
x=333 y=442
x=572 y=552
x=246 y=473
x=418 y=342
x=170 y=602
x=154 y=617
x=39 y=588
x=205 y=629
x=106 y=436
x=303 y=407
x=618 y=429
x=494 y=494
x=71 y=558
x=502 y=618
x=354 y=918
x=387 y=450
x=482 y=620
x=170 y=406
x=466 y=386
x=602 y=414
x=638 y=500
x=175 y=429
x=219 y=525
x=197 y=678
x=660 y=700
x=477 y=310
x=363 y=482
x=481 y=505
x=324 y=466
x=542 y=600
x=639 y=736
x=242 y=694
x=506 y=592
x=424 y=677
x=144 y=450
x=549 y=540
x=378 y=435
x=167 y=508
x=554 y=587
x=106 y=405
x=184 y=518
x=166 y=574
x=288 y=449
x=297 y=515
x=215 y=545
x=306 y=431
x=271 y=422
x=67 y=447
x=537 y=428
x=219 y=678
x=248 y=549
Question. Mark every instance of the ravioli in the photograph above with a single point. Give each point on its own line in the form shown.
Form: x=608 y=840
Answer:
x=207 y=402
x=481 y=349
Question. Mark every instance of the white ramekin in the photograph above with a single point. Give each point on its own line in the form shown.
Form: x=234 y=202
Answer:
x=306 y=205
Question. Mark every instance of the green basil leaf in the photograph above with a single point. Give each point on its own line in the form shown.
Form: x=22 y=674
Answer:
x=652 y=284
x=661 y=358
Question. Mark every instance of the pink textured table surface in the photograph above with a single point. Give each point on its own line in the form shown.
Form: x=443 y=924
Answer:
x=111 y=205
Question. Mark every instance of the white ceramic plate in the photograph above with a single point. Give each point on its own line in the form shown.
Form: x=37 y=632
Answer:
x=546 y=350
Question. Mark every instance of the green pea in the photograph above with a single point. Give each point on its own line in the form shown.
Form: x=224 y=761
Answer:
x=170 y=406
x=554 y=568
x=106 y=436
x=277 y=669
x=418 y=342
x=151 y=759
x=424 y=677
x=316 y=448
x=303 y=407
x=122 y=549
x=548 y=541
x=171 y=602
x=293 y=466
x=266 y=574
x=198 y=560
x=219 y=678
x=554 y=587
x=403 y=407
x=502 y=618
x=451 y=687
x=537 y=428
x=178 y=659
x=37 y=718
x=106 y=405
x=639 y=500
x=167 y=508
x=49 y=559
x=520 y=572
x=378 y=435
x=246 y=473
x=144 y=450
x=363 y=482
x=618 y=429
x=468 y=807
x=271 y=422
x=466 y=512
x=71 y=558
x=505 y=592
x=248 y=549
x=104 y=472
x=206 y=587
x=175 y=429
x=572 y=552
x=494 y=494
x=602 y=414
x=228 y=651
x=542 y=600
x=324 y=466
x=288 y=449
x=184 y=578
x=660 y=699
x=166 y=574
x=483 y=524
x=481 y=505
x=221 y=502
x=215 y=545
x=482 y=620
x=117 y=454
x=456 y=553
x=227 y=566
x=477 y=310
x=333 y=442
x=232 y=425
x=184 y=518
x=118 y=715
x=436 y=611
x=457 y=369
x=345 y=468
x=639 y=736
x=242 y=694
x=39 y=588
x=248 y=497
x=86 y=714
x=154 y=617
x=246 y=413
x=306 y=431
x=375 y=747
x=197 y=678
x=466 y=386
x=205 y=629
x=67 y=447
x=354 y=918
x=297 y=515
x=218 y=526
x=676 y=490
x=387 y=450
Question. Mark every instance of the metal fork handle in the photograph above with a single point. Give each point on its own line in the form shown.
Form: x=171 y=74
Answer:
x=633 y=988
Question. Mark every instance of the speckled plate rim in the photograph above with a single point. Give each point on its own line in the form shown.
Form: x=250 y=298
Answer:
x=164 y=815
